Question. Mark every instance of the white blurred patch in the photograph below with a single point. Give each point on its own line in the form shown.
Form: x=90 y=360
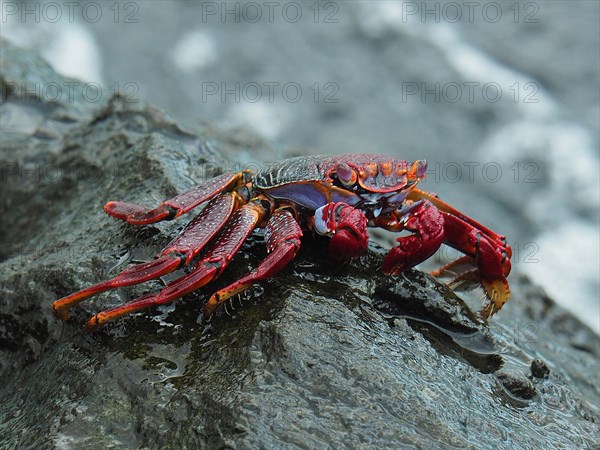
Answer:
x=376 y=18
x=567 y=152
x=195 y=50
x=568 y=264
x=266 y=118
x=470 y=62
x=74 y=53
x=69 y=47
x=475 y=65
x=20 y=119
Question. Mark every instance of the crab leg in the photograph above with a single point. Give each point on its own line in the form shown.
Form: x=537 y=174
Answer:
x=175 y=207
x=283 y=242
x=491 y=252
x=217 y=257
x=453 y=265
x=179 y=252
x=417 y=194
x=492 y=260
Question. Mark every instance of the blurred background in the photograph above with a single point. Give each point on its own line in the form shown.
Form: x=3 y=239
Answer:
x=501 y=98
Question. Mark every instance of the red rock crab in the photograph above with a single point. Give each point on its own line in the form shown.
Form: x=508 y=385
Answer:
x=337 y=196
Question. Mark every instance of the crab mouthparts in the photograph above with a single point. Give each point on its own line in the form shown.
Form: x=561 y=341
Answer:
x=382 y=203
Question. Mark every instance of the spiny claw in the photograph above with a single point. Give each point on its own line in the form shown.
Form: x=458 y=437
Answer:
x=496 y=289
x=497 y=293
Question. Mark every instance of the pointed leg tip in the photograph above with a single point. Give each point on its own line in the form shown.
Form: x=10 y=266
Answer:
x=140 y=215
x=497 y=293
x=114 y=208
x=118 y=210
x=60 y=313
x=211 y=305
x=437 y=273
x=208 y=310
x=93 y=324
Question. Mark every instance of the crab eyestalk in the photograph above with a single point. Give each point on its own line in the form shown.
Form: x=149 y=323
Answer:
x=417 y=169
x=346 y=175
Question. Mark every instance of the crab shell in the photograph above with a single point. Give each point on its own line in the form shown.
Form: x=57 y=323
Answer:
x=312 y=182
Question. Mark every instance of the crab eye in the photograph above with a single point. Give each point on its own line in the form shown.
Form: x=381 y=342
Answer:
x=346 y=175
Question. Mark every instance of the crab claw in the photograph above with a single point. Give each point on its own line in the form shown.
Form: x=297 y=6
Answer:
x=347 y=227
x=489 y=255
x=493 y=264
x=498 y=292
x=427 y=224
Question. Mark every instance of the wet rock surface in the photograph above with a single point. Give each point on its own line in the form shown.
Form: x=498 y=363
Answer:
x=323 y=356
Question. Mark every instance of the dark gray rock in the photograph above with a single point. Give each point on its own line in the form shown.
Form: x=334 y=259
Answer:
x=323 y=356
x=539 y=369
